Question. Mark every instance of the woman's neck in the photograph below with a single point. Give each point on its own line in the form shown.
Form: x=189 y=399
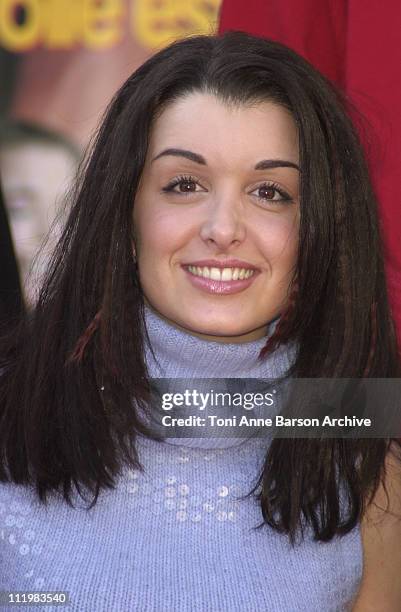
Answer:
x=174 y=352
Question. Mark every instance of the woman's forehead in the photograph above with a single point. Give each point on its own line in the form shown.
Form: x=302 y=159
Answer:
x=222 y=133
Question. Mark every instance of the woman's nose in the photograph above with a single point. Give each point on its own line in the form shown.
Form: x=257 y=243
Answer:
x=224 y=225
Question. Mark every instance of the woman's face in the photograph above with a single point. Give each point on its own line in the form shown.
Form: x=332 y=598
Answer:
x=216 y=216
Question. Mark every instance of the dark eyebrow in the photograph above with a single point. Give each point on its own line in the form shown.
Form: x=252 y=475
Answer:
x=265 y=164
x=195 y=157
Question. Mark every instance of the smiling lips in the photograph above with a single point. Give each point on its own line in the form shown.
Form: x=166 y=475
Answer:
x=221 y=277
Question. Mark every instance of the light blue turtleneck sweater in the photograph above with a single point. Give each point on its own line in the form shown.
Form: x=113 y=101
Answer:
x=177 y=537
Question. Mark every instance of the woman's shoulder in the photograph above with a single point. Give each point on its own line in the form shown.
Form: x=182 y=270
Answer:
x=381 y=538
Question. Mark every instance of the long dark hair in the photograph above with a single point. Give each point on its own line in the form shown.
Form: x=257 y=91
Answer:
x=68 y=383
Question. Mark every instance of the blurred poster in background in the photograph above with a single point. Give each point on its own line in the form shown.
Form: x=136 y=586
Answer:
x=61 y=61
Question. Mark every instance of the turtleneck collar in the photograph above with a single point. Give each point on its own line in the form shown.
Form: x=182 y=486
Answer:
x=174 y=353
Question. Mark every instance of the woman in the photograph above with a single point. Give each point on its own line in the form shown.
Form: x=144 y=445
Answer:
x=224 y=227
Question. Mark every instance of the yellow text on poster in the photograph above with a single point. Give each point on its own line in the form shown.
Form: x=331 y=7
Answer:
x=101 y=24
x=60 y=24
x=156 y=23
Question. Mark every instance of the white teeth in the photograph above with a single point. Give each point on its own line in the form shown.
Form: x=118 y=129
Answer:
x=221 y=274
x=226 y=274
x=215 y=274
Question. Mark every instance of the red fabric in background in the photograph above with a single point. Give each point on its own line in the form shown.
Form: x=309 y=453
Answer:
x=358 y=45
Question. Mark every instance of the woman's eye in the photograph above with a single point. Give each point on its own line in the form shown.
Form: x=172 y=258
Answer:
x=183 y=185
x=271 y=193
x=186 y=186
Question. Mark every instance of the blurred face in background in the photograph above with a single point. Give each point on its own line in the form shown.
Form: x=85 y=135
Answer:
x=216 y=216
x=34 y=177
